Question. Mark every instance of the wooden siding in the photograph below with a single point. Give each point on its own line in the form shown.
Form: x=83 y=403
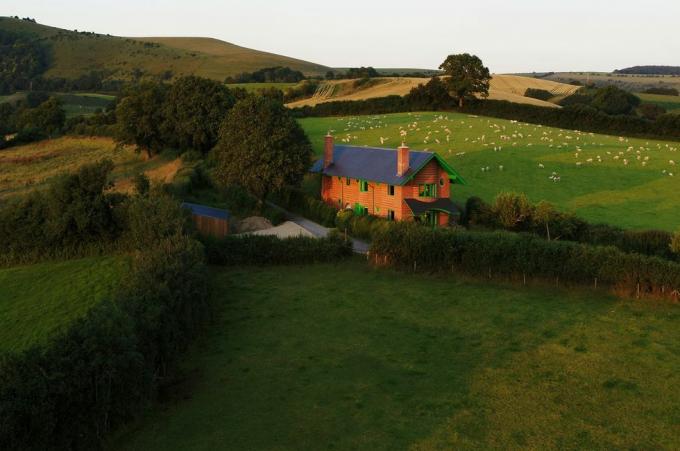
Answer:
x=215 y=227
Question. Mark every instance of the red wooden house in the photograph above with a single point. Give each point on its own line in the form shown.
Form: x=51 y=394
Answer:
x=401 y=185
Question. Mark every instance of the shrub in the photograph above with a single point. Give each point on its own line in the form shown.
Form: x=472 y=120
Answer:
x=270 y=250
x=540 y=94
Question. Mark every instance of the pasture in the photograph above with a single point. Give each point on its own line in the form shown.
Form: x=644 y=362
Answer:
x=670 y=103
x=629 y=82
x=374 y=359
x=32 y=166
x=627 y=182
x=37 y=301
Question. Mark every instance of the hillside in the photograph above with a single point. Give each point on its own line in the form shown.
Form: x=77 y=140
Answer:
x=77 y=53
x=632 y=83
x=503 y=87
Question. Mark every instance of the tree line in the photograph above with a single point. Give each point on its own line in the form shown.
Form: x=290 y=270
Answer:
x=276 y=74
x=24 y=58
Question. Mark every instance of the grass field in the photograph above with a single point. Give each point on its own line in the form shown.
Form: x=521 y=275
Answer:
x=76 y=54
x=31 y=166
x=503 y=87
x=36 y=301
x=623 y=181
x=670 y=103
x=252 y=87
x=629 y=82
x=74 y=104
x=347 y=357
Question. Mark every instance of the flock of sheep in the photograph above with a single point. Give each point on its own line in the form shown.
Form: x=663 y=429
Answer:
x=451 y=135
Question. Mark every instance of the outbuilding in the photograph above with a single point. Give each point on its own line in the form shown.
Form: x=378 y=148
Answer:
x=208 y=220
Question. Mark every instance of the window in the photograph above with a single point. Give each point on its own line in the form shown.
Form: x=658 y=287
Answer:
x=390 y=215
x=427 y=190
x=441 y=182
x=360 y=210
x=390 y=190
x=363 y=186
x=349 y=181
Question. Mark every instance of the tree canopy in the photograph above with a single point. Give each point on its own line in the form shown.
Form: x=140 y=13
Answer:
x=140 y=117
x=466 y=76
x=613 y=100
x=261 y=148
x=194 y=108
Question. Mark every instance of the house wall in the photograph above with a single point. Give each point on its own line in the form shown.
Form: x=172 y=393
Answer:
x=377 y=200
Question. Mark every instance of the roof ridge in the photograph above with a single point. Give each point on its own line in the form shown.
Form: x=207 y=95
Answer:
x=381 y=148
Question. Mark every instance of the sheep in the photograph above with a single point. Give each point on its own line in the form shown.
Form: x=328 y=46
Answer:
x=540 y=165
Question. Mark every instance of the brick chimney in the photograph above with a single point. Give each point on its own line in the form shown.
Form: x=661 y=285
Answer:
x=328 y=151
x=402 y=159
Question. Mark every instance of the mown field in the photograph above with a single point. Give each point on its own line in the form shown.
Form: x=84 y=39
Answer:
x=37 y=301
x=31 y=166
x=622 y=181
x=670 y=103
x=373 y=359
x=74 y=104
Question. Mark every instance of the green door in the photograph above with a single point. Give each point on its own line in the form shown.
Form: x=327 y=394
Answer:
x=432 y=218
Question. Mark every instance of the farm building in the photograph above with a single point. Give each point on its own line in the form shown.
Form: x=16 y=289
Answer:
x=401 y=185
x=208 y=220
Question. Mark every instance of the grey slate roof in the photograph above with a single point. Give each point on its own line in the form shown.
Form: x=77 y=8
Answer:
x=419 y=207
x=202 y=210
x=372 y=163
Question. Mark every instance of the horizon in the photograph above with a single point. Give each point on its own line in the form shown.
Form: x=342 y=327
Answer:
x=368 y=34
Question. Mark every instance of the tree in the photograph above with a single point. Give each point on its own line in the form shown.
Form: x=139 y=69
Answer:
x=193 y=110
x=467 y=76
x=675 y=243
x=48 y=117
x=512 y=209
x=613 y=100
x=432 y=95
x=261 y=148
x=651 y=111
x=139 y=117
x=543 y=214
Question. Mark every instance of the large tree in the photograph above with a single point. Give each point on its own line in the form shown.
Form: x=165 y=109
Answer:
x=466 y=76
x=194 y=109
x=139 y=117
x=47 y=118
x=261 y=148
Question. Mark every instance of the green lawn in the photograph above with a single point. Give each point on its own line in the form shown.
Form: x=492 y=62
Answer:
x=36 y=301
x=349 y=357
x=496 y=155
x=670 y=103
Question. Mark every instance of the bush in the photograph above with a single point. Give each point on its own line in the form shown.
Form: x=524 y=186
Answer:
x=70 y=393
x=270 y=250
x=297 y=201
x=514 y=255
x=662 y=91
x=540 y=94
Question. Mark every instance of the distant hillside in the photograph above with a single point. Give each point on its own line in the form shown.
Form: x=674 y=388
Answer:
x=650 y=70
x=74 y=54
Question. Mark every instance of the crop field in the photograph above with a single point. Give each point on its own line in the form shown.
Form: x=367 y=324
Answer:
x=629 y=82
x=670 y=103
x=36 y=301
x=386 y=360
x=253 y=87
x=503 y=87
x=31 y=166
x=633 y=183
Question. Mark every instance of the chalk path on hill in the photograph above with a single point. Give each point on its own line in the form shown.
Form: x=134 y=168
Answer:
x=319 y=231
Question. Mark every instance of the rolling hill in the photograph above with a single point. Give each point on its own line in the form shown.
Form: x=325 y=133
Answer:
x=76 y=53
x=503 y=87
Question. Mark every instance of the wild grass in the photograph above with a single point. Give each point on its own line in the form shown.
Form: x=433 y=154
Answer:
x=32 y=166
x=670 y=103
x=349 y=357
x=495 y=155
x=39 y=300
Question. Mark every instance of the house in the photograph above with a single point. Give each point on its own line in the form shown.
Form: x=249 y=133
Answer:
x=403 y=185
x=208 y=220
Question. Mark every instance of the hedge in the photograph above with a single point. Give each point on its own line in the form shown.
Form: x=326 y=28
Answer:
x=70 y=393
x=270 y=250
x=513 y=255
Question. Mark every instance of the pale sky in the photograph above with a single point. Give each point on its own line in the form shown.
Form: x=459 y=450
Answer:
x=509 y=36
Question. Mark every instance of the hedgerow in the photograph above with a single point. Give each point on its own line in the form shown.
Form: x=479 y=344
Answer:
x=512 y=255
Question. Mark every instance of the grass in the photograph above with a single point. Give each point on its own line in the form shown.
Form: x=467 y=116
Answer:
x=636 y=195
x=76 y=54
x=348 y=357
x=39 y=300
x=32 y=166
x=253 y=87
x=670 y=103
x=84 y=104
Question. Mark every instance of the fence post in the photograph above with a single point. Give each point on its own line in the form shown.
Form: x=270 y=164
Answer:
x=596 y=283
x=524 y=275
x=638 y=290
x=414 y=266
